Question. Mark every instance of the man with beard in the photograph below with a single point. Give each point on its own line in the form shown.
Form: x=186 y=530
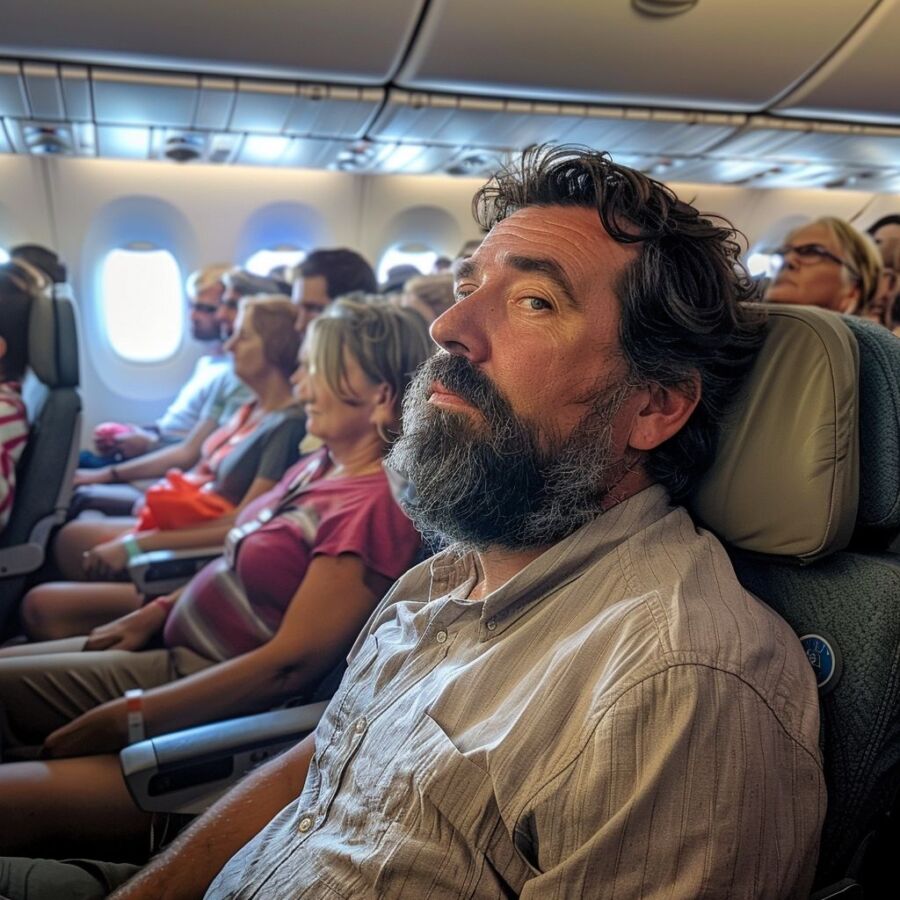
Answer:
x=577 y=698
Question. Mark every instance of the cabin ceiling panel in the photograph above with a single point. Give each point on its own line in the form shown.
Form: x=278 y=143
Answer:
x=142 y=98
x=511 y=124
x=341 y=40
x=328 y=111
x=215 y=103
x=123 y=141
x=76 y=90
x=719 y=55
x=262 y=106
x=309 y=153
x=13 y=101
x=800 y=141
x=44 y=91
x=860 y=81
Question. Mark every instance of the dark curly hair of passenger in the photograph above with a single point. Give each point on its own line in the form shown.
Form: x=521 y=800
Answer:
x=682 y=299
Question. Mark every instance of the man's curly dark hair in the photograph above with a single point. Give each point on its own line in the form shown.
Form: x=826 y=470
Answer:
x=682 y=309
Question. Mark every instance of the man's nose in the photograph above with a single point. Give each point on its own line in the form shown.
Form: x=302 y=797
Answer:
x=463 y=329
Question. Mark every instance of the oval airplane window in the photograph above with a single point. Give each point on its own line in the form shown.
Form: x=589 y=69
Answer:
x=761 y=265
x=416 y=255
x=264 y=262
x=141 y=303
x=4 y=256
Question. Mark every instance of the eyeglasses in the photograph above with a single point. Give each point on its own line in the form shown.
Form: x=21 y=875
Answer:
x=809 y=255
x=207 y=308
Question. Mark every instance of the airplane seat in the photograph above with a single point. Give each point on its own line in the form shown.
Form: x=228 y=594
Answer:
x=811 y=472
x=47 y=465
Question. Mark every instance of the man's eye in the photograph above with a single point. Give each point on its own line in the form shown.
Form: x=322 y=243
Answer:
x=461 y=293
x=536 y=303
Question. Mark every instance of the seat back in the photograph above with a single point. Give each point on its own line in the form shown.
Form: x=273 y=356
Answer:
x=44 y=474
x=843 y=604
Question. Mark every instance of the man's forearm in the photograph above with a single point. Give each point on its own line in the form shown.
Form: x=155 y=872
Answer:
x=188 y=867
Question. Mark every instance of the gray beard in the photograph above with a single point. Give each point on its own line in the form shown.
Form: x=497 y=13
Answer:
x=490 y=484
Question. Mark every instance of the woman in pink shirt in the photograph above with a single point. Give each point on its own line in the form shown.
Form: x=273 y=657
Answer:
x=304 y=567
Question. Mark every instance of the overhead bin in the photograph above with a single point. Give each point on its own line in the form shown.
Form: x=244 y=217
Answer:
x=861 y=81
x=717 y=55
x=341 y=40
x=135 y=98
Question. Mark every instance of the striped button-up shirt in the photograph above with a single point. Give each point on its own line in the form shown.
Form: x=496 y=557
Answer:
x=620 y=719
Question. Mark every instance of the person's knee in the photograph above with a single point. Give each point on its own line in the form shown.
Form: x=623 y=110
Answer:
x=40 y=615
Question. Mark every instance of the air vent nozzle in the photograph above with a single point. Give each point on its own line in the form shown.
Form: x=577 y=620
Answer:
x=183 y=148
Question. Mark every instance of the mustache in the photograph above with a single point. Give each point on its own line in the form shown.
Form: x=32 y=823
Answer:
x=462 y=378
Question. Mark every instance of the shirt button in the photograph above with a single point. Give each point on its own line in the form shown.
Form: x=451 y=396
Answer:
x=360 y=726
x=441 y=637
x=305 y=824
x=491 y=624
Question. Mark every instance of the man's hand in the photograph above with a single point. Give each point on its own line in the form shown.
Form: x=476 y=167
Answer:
x=106 y=560
x=135 y=443
x=131 y=632
x=103 y=729
x=106 y=434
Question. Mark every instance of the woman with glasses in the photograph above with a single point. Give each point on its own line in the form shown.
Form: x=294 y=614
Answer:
x=826 y=263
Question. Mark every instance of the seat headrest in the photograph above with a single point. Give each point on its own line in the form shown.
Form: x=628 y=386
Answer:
x=785 y=481
x=52 y=338
x=879 y=424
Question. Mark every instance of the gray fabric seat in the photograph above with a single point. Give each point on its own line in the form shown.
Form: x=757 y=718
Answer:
x=44 y=474
x=844 y=604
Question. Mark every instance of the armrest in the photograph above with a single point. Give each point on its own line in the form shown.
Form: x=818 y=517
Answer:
x=21 y=559
x=186 y=771
x=164 y=571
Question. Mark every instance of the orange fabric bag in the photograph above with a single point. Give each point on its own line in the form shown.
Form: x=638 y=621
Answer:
x=178 y=502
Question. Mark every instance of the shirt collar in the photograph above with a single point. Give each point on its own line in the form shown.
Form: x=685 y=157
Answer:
x=556 y=566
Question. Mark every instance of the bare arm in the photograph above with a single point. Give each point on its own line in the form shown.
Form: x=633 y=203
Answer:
x=188 y=867
x=324 y=617
x=176 y=456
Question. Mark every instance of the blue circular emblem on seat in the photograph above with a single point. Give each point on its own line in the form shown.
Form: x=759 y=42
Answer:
x=822 y=658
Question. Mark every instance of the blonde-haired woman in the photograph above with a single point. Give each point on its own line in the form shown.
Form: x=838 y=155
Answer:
x=827 y=263
x=303 y=570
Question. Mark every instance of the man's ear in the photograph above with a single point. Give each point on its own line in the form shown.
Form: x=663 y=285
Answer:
x=663 y=413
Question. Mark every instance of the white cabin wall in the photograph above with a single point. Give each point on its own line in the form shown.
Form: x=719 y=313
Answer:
x=394 y=206
x=24 y=214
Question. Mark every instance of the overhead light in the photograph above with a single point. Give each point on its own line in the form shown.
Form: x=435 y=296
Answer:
x=662 y=8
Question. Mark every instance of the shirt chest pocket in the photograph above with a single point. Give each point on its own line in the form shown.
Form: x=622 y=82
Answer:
x=411 y=773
